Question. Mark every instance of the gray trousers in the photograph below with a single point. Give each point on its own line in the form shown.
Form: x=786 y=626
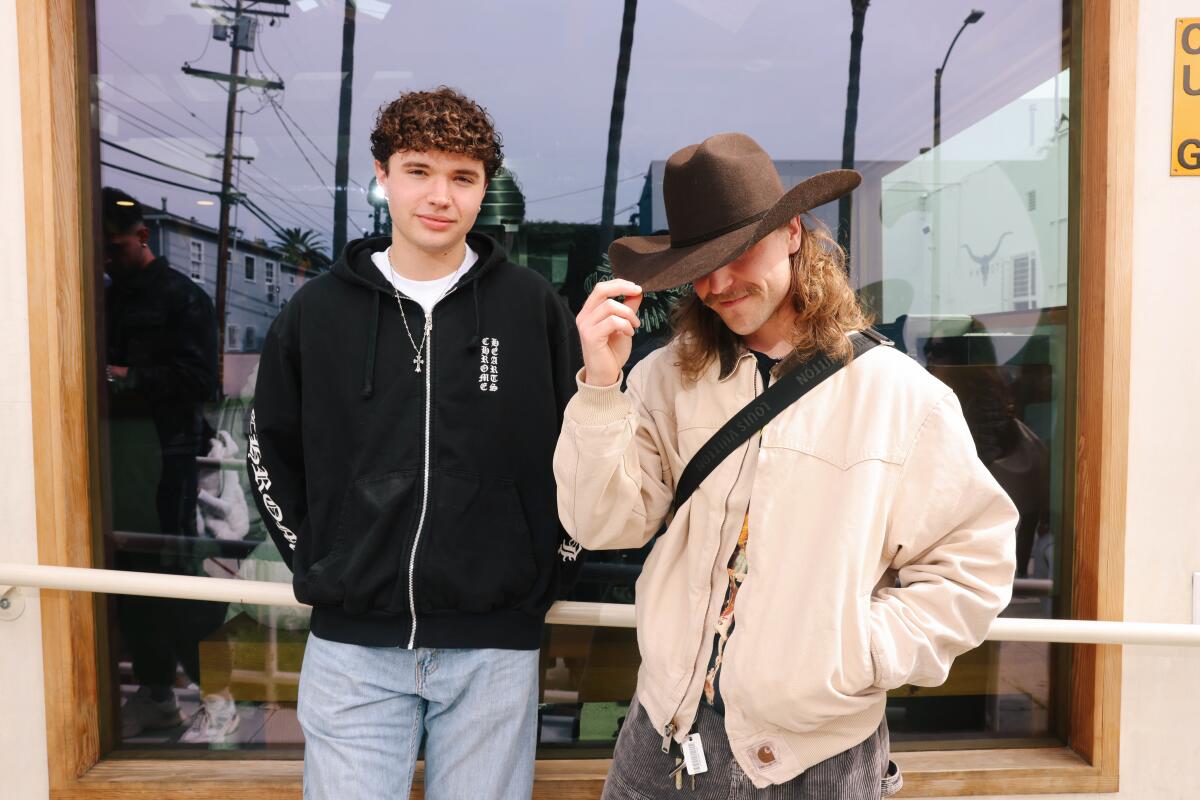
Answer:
x=641 y=771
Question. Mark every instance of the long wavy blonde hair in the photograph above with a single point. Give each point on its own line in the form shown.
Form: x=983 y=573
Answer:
x=826 y=310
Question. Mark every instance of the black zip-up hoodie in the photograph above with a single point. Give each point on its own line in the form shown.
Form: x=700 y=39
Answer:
x=390 y=491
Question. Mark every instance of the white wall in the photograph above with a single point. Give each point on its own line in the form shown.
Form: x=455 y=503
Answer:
x=22 y=700
x=1160 y=742
x=1160 y=687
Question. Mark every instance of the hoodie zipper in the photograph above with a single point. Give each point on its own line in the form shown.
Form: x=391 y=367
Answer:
x=412 y=558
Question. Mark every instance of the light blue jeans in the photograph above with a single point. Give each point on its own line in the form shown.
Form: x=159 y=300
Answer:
x=364 y=711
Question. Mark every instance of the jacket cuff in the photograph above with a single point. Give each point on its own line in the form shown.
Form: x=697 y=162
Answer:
x=597 y=405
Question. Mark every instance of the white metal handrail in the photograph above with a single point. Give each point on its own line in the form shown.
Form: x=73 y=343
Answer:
x=185 y=587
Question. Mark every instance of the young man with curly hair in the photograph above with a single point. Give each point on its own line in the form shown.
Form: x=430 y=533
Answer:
x=406 y=412
x=851 y=544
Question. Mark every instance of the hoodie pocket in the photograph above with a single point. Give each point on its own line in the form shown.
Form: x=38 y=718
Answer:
x=477 y=550
x=376 y=520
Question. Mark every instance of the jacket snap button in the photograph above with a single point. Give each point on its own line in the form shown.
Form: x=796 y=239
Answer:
x=766 y=755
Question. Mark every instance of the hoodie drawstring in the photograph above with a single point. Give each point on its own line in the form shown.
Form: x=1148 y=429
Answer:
x=477 y=341
x=368 y=387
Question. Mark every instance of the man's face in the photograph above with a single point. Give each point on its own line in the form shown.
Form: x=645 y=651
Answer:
x=433 y=197
x=123 y=251
x=750 y=290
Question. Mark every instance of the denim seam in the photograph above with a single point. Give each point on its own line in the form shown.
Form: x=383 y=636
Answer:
x=414 y=738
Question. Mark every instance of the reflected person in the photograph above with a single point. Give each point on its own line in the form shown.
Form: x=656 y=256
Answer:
x=161 y=368
x=1012 y=452
x=852 y=545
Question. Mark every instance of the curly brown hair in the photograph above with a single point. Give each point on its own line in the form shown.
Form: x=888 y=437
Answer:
x=442 y=119
x=826 y=310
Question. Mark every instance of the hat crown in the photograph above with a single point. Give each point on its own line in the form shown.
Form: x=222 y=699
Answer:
x=717 y=186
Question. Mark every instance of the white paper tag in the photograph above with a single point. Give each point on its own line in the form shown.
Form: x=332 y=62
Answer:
x=693 y=755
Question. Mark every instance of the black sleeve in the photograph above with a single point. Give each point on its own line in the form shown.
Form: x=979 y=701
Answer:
x=190 y=372
x=275 y=455
x=566 y=359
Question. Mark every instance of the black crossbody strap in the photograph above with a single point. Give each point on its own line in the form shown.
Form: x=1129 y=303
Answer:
x=758 y=412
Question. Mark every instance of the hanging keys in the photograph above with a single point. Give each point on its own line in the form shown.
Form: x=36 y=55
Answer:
x=678 y=773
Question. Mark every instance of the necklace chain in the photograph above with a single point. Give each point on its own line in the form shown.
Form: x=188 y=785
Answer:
x=420 y=350
x=419 y=358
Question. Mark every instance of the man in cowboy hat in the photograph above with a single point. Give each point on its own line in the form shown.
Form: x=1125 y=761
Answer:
x=852 y=545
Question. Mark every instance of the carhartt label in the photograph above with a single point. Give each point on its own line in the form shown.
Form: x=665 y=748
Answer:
x=693 y=755
x=489 y=364
x=765 y=756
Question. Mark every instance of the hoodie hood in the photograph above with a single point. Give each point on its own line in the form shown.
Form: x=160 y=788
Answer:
x=356 y=267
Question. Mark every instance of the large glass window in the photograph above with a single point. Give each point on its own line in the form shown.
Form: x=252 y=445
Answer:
x=958 y=242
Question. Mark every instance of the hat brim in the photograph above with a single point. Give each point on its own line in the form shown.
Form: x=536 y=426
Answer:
x=652 y=263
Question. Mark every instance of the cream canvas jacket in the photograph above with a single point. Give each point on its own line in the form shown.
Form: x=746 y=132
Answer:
x=880 y=547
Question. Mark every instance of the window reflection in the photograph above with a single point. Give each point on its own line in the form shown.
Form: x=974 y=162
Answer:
x=960 y=249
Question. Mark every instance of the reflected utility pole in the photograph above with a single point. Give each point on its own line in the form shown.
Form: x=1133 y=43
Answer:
x=240 y=32
x=971 y=19
x=858 y=10
x=341 y=170
x=616 y=120
x=935 y=273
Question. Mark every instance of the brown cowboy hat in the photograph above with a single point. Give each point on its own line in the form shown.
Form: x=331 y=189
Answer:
x=722 y=197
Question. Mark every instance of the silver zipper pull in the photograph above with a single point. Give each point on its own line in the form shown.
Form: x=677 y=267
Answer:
x=668 y=732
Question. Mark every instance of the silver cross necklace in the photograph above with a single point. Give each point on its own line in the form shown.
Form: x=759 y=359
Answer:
x=419 y=359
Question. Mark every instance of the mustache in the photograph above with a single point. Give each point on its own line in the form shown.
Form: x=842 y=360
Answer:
x=712 y=300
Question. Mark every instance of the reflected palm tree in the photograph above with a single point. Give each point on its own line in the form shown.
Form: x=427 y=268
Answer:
x=616 y=120
x=655 y=310
x=858 y=10
x=303 y=248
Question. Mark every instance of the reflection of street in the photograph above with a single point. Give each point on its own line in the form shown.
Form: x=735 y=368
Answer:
x=261 y=725
x=1003 y=685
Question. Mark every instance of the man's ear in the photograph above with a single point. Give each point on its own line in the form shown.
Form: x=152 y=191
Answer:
x=795 y=235
x=380 y=170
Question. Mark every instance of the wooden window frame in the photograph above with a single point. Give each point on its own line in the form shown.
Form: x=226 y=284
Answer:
x=56 y=60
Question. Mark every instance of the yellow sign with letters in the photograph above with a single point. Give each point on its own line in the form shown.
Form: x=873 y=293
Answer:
x=1185 y=128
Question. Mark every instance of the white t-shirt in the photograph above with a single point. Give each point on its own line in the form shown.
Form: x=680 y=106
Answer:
x=427 y=293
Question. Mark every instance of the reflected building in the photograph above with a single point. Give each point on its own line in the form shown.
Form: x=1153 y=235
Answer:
x=502 y=214
x=978 y=225
x=260 y=282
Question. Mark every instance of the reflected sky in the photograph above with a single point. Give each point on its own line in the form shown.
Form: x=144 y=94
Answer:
x=776 y=69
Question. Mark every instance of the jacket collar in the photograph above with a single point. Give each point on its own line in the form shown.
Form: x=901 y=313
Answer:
x=728 y=359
